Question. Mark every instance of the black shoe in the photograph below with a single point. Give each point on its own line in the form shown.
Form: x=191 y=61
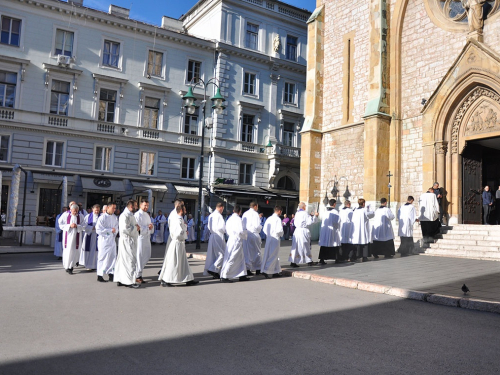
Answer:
x=215 y=275
x=134 y=286
x=321 y=261
x=249 y=273
x=312 y=264
x=192 y=282
x=60 y=258
x=101 y=280
x=266 y=275
x=110 y=276
x=277 y=275
x=120 y=284
x=159 y=272
x=365 y=259
x=77 y=264
x=70 y=271
x=142 y=280
x=163 y=283
x=257 y=272
x=223 y=280
x=244 y=278
x=294 y=265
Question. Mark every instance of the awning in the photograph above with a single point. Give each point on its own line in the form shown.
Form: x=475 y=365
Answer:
x=100 y=184
x=255 y=191
x=47 y=178
x=149 y=185
x=189 y=190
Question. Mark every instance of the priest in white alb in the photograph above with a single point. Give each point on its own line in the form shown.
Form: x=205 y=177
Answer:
x=429 y=214
x=72 y=228
x=171 y=216
x=361 y=229
x=329 y=235
x=407 y=216
x=273 y=229
x=347 y=249
x=234 y=260
x=216 y=243
x=382 y=232
x=126 y=261
x=301 y=240
x=107 y=230
x=143 y=243
x=253 y=244
x=160 y=222
x=88 y=256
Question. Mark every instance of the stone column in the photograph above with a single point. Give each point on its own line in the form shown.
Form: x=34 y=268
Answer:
x=14 y=195
x=456 y=187
x=441 y=148
x=64 y=193
x=273 y=98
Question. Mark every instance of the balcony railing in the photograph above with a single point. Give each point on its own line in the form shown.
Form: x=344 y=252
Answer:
x=150 y=134
x=248 y=147
x=189 y=139
x=106 y=128
x=6 y=114
x=288 y=151
x=61 y=121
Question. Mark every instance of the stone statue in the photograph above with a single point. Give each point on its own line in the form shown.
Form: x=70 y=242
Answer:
x=276 y=43
x=474 y=9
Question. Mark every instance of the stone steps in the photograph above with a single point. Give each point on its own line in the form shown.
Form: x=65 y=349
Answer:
x=481 y=255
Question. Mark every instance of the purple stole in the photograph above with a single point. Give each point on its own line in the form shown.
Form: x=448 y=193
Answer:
x=88 y=237
x=77 y=235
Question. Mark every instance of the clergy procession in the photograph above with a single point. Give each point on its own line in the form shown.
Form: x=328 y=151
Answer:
x=119 y=247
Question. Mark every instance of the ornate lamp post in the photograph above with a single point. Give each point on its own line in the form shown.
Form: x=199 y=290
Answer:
x=191 y=106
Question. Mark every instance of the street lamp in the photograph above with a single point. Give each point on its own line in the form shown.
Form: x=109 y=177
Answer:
x=191 y=107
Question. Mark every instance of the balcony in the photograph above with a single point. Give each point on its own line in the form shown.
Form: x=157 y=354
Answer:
x=6 y=114
x=190 y=139
x=150 y=134
x=287 y=151
x=60 y=121
x=109 y=128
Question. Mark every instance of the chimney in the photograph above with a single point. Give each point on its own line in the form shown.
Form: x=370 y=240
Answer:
x=115 y=10
x=76 y=2
x=171 y=23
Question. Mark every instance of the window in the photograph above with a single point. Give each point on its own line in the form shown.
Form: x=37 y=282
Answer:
x=194 y=71
x=54 y=153
x=49 y=202
x=111 y=55
x=252 y=36
x=191 y=123
x=7 y=89
x=64 y=42
x=11 y=31
x=247 y=131
x=286 y=183
x=148 y=163
x=4 y=147
x=250 y=84
x=155 y=62
x=151 y=110
x=288 y=133
x=245 y=174
x=107 y=105
x=289 y=96
x=187 y=171
x=291 y=48
x=59 y=98
x=102 y=159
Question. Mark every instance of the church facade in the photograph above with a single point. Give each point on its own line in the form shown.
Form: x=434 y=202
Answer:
x=403 y=88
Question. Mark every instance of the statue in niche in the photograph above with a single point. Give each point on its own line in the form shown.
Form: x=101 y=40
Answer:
x=475 y=14
x=276 y=43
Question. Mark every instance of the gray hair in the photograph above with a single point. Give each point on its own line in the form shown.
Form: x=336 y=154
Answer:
x=74 y=207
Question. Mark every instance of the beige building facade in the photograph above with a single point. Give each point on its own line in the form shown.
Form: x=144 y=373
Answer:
x=406 y=86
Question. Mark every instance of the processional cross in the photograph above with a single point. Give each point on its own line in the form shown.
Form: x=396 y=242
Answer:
x=389 y=186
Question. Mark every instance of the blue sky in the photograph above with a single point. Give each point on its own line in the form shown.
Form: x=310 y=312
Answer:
x=151 y=11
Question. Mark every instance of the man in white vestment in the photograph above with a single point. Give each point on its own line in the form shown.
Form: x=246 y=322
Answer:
x=253 y=244
x=329 y=235
x=160 y=222
x=347 y=249
x=191 y=228
x=205 y=231
x=126 y=261
x=107 y=230
x=88 y=256
x=72 y=228
x=143 y=244
x=171 y=216
x=301 y=240
x=361 y=229
x=234 y=259
x=176 y=268
x=216 y=243
x=382 y=232
x=58 y=251
x=273 y=229
x=429 y=213
x=407 y=215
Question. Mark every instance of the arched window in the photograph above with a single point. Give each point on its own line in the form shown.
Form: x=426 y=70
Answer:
x=286 y=183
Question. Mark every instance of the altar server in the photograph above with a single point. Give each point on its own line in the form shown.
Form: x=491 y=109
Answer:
x=273 y=229
x=234 y=259
x=107 y=230
x=347 y=249
x=361 y=229
x=171 y=216
x=429 y=214
x=160 y=222
x=407 y=215
x=143 y=244
x=126 y=261
x=301 y=240
x=88 y=256
x=253 y=244
x=329 y=235
x=216 y=243
x=72 y=238
x=58 y=251
x=382 y=232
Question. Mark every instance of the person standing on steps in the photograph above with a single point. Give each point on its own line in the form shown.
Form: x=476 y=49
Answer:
x=439 y=196
x=487 y=204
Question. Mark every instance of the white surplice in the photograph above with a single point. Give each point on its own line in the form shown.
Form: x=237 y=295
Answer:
x=346 y=226
x=72 y=239
x=329 y=235
x=429 y=207
x=273 y=229
x=106 y=256
x=234 y=259
x=143 y=242
x=382 y=226
x=216 y=243
x=176 y=266
x=361 y=225
x=160 y=222
x=126 y=261
x=88 y=256
x=58 y=251
x=253 y=244
x=301 y=240
x=407 y=216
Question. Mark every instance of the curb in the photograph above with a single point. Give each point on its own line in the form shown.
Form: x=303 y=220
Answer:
x=437 y=299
